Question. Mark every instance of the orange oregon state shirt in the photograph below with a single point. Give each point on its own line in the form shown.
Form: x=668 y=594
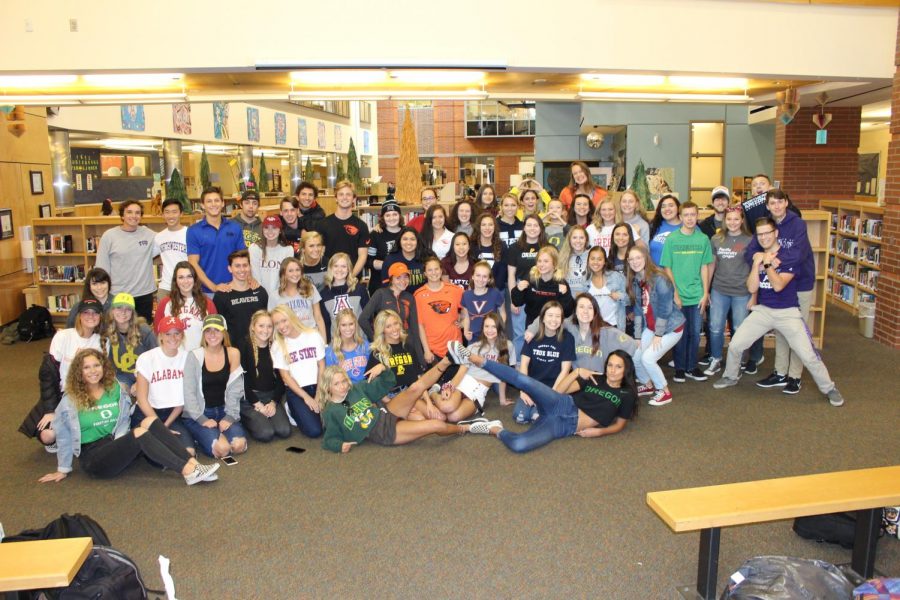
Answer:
x=438 y=313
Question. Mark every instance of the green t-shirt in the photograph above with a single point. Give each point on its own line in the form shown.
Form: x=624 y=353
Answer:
x=685 y=254
x=353 y=420
x=100 y=421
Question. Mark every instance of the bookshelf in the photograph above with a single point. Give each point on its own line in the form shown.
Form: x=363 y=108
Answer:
x=855 y=245
x=742 y=184
x=64 y=251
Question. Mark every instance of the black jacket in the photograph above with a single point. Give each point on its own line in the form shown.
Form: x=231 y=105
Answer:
x=309 y=219
x=50 y=395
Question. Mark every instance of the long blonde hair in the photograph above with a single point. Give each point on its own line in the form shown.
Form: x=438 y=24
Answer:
x=304 y=286
x=329 y=274
x=598 y=219
x=285 y=311
x=638 y=207
x=323 y=392
x=109 y=331
x=566 y=252
x=380 y=348
x=534 y=275
x=252 y=340
x=76 y=388
x=336 y=340
x=306 y=238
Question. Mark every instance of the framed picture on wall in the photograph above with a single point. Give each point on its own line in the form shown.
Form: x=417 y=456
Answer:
x=37 y=182
x=44 y=210
x=6 y=223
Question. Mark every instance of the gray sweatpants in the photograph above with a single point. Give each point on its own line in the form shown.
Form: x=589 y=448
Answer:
x=788 y=362
x=789 y=323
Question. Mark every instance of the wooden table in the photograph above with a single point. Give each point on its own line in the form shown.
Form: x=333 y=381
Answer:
x=41 y=564
x=708 y=509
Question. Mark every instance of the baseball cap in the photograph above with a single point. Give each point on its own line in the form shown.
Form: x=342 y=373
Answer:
x=250 y=195
x=398 y=269
x=169 y=324
x=272 y=221
x=390 y=206
x=123 y=300
x=720 y=190
x=90 y=304
x=214 y=322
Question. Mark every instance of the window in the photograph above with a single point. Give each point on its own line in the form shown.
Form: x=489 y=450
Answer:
x=124 y=165
x=336 y=107
x=476 y=169
x=365 y=112
x=492 y=118
x=707 y=168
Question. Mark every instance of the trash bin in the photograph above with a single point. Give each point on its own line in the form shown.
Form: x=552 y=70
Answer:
x=867 y=319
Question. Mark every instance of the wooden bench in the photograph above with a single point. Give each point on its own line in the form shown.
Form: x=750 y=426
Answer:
x=708 y=509
x=42 y=564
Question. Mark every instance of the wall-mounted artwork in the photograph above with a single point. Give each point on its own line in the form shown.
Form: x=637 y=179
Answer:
x=220 y=120
x=660 y=181
x=252 y=124
x=867 y=177
x=37 y=182
x=133 y=117
x=321 y=134
x=602 y=176
x=280 y=128
x=366 y=142
x=302 y=138
x=337 y=138
x=181 y=118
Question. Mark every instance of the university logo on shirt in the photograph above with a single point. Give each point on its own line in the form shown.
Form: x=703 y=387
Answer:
x=351 y=229
x=441 y=307
x=341 y=302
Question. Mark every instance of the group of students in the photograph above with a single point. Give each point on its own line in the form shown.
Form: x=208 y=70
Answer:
x=571 y=300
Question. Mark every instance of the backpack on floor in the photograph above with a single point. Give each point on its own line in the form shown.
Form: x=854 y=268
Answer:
x=836 y=528
x=35 y=324
x=106 y=574
x=66 y=526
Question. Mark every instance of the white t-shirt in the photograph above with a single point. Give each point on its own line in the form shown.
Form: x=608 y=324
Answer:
x=441 y=245
x=609 y=308
x=489 y=354
x=266 y=271
x=66 y=344
x=166 y=377
x=304 y=351
x=172 y=249
x=302 y=307
x=191 y=321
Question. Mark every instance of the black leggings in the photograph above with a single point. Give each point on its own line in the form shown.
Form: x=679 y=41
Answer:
x=108 y=457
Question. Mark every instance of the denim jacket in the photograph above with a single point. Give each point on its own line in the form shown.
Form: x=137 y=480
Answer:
x=68 y=429
x=667 y=315
x=194 y=404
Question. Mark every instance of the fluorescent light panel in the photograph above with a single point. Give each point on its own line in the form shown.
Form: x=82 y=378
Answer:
x=709 y=83
x=624 y=80
x=132 y=80
x=92 y=99
x=663 y=97
x=388 y=95
x=36 y=81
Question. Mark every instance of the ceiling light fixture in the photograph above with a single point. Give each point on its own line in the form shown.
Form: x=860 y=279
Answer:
x=36 y=81
x=709 y=83
x=337 y=77
x=388 y=95
x=92 y=99
x=132 y=80
x=437 y=77
x=663 y=97
x=624 y=80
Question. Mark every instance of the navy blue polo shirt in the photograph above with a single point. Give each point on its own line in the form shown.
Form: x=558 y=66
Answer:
x=213 y=246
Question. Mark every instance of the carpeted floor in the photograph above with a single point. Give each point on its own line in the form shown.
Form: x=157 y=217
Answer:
x=464 y=517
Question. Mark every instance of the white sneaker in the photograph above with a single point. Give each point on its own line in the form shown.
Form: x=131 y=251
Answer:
x=714 y=365
x=484 y=427
x=457 y=353
x=202 y=473
x=51 y=448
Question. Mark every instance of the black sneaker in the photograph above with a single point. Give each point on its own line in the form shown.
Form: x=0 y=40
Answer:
x=679 y=377
x=705 y=360
x=773 y=380
x=696 y=374
x=750 y=367
x=792 y=386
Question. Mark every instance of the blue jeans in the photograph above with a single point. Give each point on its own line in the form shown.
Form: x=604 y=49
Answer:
x=719 y=306
x=519 y=323
x=309 y=422
x=206 y=436
x=687 y=346
x=559 y=415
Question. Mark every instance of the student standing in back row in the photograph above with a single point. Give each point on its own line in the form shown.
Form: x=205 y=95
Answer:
x=170 y=244
x=239 y=304
x=211 y=240
x=687 y=257
x=247 y=218
x=343 y=231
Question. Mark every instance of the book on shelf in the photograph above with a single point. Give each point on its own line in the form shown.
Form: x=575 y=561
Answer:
x=868 y=278
x=843 y=291
x=849 y=224
x=872 y=228
x=91 y=244
x=61 y=273
x=871 y=254
x=54 y=243
x=847 y=247
x=62 y=302
x=866 y=297
x=845 y=269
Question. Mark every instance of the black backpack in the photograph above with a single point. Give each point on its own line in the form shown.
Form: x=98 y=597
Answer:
x=35 y=324
x=106 y=574
x=66 y=526
x=835 y=528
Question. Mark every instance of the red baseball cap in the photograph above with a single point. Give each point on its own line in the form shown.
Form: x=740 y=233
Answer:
x=170 y=324
x=272 y=221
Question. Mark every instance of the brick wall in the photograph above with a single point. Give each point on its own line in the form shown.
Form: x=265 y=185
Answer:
x=809 y=172
x=887 y=311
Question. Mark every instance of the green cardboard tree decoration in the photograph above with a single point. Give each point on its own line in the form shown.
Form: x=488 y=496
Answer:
x=353 y=166
x=640 y=187
x=251 y=184
x=204 y=170
x=308 y=173
x=175 y=189
x=409 y=171
x=263 y=175
x=341 y=174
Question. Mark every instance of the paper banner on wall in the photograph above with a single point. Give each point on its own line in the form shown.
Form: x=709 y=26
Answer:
x=252 y=124
x=280 y=128
x=181 y=118
x=133 y=117
x=220 y=120
x=78 y=184
x=321 y=132
x=337 y=138
x=302 y=140
x=90 y=181
x=366 y=141
x=660 y=181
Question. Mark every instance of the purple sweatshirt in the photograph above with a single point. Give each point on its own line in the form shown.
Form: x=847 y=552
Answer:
x=796 y=251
